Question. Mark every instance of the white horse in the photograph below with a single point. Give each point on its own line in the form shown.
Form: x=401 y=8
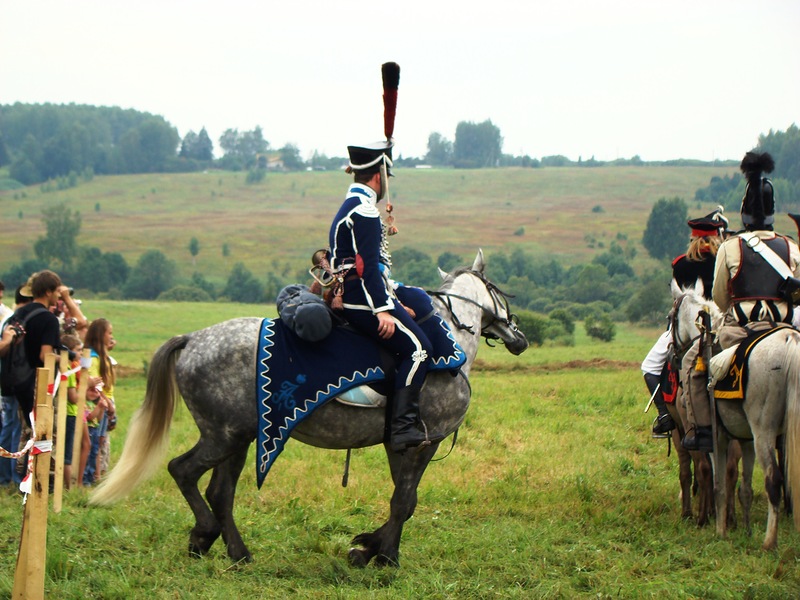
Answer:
x=687 y=303
x=771 y=408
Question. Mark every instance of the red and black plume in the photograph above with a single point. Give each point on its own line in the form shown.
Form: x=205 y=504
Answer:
x=390 y=72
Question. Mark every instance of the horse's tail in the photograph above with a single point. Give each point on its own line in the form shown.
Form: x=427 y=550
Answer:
x=148 y=433
x=792 y=474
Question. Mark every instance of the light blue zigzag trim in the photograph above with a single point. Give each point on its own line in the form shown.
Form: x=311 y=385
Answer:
x=458 y=358
x=267 y=454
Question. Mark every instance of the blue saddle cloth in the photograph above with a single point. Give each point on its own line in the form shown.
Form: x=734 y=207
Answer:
x=293 y=377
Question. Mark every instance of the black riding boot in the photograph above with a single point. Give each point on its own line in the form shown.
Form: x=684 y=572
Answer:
x=407 y=430
x=664 y=423
x=700 y=439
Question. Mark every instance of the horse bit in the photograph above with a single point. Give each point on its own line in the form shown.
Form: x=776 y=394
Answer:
x=499 y=299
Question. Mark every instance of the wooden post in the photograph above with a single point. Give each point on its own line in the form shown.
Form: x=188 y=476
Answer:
x=31 y=560
x=61 y=431
x=83 y=384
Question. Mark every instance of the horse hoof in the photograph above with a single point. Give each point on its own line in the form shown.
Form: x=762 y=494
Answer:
x=240 y=562
x=358 y=558
x=383 y=560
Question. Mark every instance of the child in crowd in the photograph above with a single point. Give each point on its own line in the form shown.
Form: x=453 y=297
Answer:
x=99 y=339
x=74 y=345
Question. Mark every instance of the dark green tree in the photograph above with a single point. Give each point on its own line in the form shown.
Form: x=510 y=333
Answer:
x=199 y=281
x=118 y=268
x=153 y=274
x=665 y=236
x=650 y=303
x=197 y=146
x=592 y=284
x=194 y=249
x=440 y=150
x=290 y=156
x=19 y=274
x=477 y=145
x=242 y=286
x=5 y=157
x=242 y=150
x=413 y=267
x=59 y=246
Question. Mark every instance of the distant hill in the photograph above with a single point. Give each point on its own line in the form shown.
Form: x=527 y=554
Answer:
x=569 y=213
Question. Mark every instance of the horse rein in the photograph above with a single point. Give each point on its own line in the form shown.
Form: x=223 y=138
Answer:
x=499 y=299
x=679 y=348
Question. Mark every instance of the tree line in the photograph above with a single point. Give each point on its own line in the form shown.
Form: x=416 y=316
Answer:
x=50 y=142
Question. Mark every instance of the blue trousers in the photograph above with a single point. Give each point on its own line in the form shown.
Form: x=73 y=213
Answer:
x=9 y=439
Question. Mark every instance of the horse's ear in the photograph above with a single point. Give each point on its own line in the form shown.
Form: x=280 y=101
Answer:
x=443 y=274
x=479 y=263
x=674 y=288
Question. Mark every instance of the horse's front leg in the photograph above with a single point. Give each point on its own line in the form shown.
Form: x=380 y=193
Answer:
x=720 y=462
x=746 y=487
x=384 y=543
x=220 y=495
x=731 y=479
x=705 y=486
x=684 y=474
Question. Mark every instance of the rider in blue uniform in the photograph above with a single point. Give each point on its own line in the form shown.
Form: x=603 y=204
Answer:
x=359 y=256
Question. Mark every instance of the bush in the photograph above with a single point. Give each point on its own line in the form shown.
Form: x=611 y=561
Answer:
x=185 y=293
x=600 y=326
x=566 y=318
x=533 y=325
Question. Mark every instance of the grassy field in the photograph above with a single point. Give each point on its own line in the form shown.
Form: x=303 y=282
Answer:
x=280 y=222
x=554 y=490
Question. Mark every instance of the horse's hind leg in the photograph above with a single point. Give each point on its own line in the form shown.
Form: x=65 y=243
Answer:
x=384 y=542
x=773 y=482
x=731 y=479
x=186 y=470
x=220 y=494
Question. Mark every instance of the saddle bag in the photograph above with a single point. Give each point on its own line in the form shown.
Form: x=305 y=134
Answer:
x=304 y=313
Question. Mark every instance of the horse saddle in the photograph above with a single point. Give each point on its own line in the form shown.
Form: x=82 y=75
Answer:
x=294 y=376
x=729 y=367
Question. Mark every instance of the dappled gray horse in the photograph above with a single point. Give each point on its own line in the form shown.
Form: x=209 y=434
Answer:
x=215 y=372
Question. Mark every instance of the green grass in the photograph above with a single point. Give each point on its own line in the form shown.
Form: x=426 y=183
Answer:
x=283 y=220
x=554 y=490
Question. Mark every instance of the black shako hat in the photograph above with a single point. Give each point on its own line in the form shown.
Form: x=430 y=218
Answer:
x=369 y=158
x=712 y=224
x=758 y=203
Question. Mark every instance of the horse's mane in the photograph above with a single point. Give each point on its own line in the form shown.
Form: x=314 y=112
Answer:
x=447 y=284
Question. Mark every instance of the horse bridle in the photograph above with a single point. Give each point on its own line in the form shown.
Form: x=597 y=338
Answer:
x=679 y=349
x=499 y=300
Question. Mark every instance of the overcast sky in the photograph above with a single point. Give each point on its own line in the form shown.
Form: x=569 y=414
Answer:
x=681 y=79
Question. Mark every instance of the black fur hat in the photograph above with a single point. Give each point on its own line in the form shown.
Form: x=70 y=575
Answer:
x=758 y=204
